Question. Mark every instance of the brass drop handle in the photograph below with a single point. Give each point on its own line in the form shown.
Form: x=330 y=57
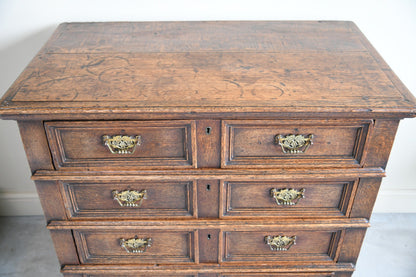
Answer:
x=294 y=144
x=120 y=144
x=130 y=198
x=280 y=243
x=136 y=245
x=287 y=197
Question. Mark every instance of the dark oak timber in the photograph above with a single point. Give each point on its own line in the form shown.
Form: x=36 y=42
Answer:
x=189 y=148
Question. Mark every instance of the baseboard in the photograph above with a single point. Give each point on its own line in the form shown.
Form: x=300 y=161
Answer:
x=396 y=201
x=19 y=204
x=388 y=201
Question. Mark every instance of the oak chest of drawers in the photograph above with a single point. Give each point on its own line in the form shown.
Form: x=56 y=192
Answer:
x=207 y=148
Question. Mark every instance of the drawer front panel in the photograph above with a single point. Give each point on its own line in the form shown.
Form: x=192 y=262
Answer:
x=286 y=199
x=156 y=199
x=160 y=247
x=276 y=246
x=286 y=143
x=298 y=274
x=122 y=144
x=142 y=275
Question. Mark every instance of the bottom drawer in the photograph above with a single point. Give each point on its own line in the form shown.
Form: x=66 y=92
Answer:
x=179 y=246
x=218 y=275
x=298 y=274
x=143 y=245
x=211 y=270
x=213 y=274
x=276 y=245
x=137 y=275
x=136 y=246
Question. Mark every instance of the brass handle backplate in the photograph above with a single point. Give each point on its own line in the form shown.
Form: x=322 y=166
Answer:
x=120 y=144
x=280 y=243
x=294 y=144
x=130 y=198
x=287 y=197
x=136 y=245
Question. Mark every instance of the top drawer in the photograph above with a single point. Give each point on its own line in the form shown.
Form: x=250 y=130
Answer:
x=293 y=143
x=122 y=144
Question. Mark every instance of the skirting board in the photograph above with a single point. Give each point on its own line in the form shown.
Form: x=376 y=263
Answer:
x=396 y=201
x=19 y=204
x=388 y=201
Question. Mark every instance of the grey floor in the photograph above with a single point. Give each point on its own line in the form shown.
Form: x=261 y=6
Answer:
x=389 y=248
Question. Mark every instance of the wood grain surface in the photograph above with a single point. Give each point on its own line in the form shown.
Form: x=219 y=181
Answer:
x=207 y=66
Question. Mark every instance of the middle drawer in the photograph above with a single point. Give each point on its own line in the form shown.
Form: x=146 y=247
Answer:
x=201 y=196
x=286 y=199
x=126 y=199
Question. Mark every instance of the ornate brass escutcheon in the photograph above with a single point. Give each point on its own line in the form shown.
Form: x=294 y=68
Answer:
x=294 y=144
x=136 y=245
x=130 y=198
x=120 y=144
x=280 y=243
x=287 y=197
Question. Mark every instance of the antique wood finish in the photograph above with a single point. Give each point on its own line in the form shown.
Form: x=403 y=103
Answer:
x=329 y=274
x=171 y=196
x=279 y=175
x=208 y=135
x=250 y=247
x=253 y=143
x=351 y=243
x=66 y=251
x=167 y=246
x=339 y=269
x=254 y=149
x=207 y=275
x=267 y=73
x=127 y=274
x=217 y=275
x=208 y=245
x=162 y=144
x=280 y=274
x=319 y=240
x=36 y=145
x=365 y=197
x=254 y=199
x=141 y=275
x=381 y=143
x=174 y=199
x=208 y=198
x=51 y=200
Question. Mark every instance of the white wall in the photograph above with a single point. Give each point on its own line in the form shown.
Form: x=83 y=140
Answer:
x=25 y=25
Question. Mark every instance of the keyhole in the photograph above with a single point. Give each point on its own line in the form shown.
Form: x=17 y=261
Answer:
x=208 y=130
x=209 y=236
x=208 y=187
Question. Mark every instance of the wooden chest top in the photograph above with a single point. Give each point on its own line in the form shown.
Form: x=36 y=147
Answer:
x=185 y=69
